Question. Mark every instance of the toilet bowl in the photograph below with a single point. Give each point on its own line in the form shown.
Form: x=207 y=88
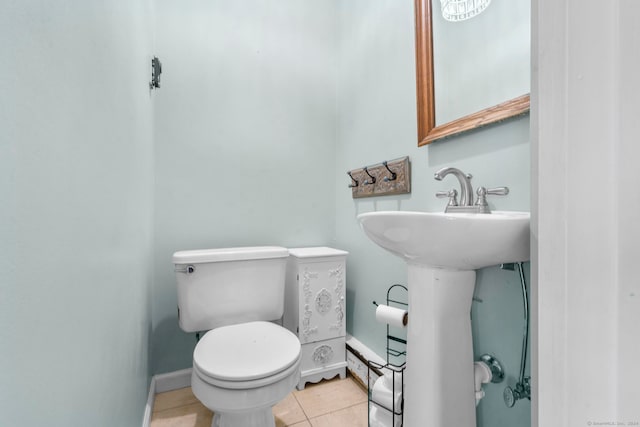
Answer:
x=241 y=371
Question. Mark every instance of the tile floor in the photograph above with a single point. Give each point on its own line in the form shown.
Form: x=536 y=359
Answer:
x=332 y=403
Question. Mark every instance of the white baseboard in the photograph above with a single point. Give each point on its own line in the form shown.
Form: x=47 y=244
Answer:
x=358 y=355
x=148 y=409
x=364 y=350
x=161 y=383
x=173 y=380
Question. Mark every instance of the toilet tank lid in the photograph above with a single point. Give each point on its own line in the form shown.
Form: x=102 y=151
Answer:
x=229 y=254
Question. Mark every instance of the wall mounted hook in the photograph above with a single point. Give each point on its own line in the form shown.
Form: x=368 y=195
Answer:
x=355 y=181
x=156 y=70
x=380 y=179
x=372 y=180
x=393 y=174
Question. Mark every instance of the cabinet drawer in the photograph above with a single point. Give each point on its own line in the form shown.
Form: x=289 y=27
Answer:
x=323 y=354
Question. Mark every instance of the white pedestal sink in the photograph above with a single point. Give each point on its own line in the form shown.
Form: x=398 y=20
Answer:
x=442 y=252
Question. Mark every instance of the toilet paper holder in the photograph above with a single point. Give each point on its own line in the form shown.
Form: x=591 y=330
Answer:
x=391 y=374
x=396 y=346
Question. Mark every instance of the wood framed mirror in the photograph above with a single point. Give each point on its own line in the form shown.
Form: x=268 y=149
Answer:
x=428 y=130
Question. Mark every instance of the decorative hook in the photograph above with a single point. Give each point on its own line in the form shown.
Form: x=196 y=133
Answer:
x=393 y=174
x=355 y=181
x=373 y=178
x=156 y=70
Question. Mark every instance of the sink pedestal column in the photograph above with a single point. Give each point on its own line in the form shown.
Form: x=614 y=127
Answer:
x=439 y=381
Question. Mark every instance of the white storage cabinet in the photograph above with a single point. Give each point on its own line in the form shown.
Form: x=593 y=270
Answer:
x=315 y=310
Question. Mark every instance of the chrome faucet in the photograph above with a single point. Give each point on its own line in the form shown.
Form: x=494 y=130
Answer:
x=466 y=193
x=466 y=204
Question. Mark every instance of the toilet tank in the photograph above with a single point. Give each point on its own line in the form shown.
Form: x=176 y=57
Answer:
x=218 y=287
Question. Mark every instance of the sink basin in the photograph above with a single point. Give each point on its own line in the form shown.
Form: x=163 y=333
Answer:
x=457 y=241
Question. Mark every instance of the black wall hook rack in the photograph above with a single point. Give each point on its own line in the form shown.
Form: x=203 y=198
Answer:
x=385 y=178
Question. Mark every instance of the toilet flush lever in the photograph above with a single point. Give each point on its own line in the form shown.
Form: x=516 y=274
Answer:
x=188 y=269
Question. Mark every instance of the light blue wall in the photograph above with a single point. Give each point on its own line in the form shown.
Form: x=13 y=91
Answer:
x=75 y=222
x=263 y=108
x=244 y=137
x=376 y=122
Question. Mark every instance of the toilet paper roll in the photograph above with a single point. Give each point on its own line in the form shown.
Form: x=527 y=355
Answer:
x=382 y=395
x=391 y=377
x=374 y=418
x=380 y=417
x=392 y=316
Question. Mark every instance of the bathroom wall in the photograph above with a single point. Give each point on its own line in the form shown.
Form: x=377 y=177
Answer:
x=237 y=111
x=244 y=137
x=376 y=121
x=584 y=147
x=75 y=222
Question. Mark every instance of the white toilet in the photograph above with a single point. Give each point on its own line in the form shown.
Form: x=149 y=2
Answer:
x=245 y=364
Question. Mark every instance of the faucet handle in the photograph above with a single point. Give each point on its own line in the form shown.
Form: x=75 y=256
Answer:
x=451 y=194
x=483 y=192
x=498 y=191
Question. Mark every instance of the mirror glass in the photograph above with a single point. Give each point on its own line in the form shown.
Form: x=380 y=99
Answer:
x=471 y=73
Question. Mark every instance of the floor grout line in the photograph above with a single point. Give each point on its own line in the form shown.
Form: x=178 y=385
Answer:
x=306 y=416
x=337 y=410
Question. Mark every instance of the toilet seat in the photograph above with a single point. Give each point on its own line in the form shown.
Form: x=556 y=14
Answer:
x=246 y=355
